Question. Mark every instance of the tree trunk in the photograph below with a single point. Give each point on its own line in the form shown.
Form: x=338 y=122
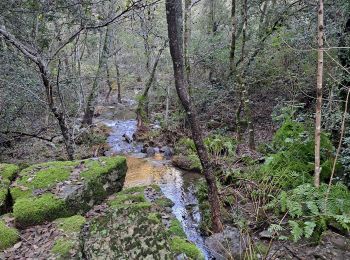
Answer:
x=233 y=38
x=175 y=32
x=187 y=37
x=119 y=95
x=90 y=102
x=142 y=108
x=320 y=32
x=109 y=83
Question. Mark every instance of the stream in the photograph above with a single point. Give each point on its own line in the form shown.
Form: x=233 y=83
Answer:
x=177 y=185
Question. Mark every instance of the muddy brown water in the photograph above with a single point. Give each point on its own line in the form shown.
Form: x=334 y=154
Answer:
x=177 y=185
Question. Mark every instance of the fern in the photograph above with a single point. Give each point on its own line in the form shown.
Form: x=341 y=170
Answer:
x=309 y=227
x=296 y=230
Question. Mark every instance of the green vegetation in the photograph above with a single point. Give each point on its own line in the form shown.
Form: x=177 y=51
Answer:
x=311 y=210
x=96 y=168
x=32 y=211
x=62 y=247
x=7 y=174
x=8 y=236
x=71 y=224
x=180 y=245
x=176 y=229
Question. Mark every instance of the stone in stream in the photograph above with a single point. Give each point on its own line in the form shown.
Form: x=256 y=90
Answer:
x=127 y=138
x=44 y=192
x=150 y=151
x=168 y=152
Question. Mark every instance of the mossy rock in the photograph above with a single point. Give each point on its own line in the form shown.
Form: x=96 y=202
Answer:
x=47 y=191
x=7 y=174
x=8 y=236
x=67 y=246
x=187 y=163
x=135 y=228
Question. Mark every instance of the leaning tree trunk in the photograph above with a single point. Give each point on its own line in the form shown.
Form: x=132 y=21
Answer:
x=48 y=86
x=320 y=30
x=175 y=32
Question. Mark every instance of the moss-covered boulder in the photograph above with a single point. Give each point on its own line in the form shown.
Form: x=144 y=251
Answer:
x=7 y=174
x=47 y=191
x=137 y=226
x=67 y=245
x=8 y=236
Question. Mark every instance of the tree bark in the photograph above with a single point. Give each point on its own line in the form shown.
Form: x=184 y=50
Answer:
x=233 y=38
x=320 y=35
x=175 y=32
x=187 y=37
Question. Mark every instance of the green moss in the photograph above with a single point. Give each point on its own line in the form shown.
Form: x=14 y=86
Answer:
x=17 y=192
x=132 y=190
x=8 y=236
x=32 y=211
x=102 y=166
x=71 y=224
x=127 y=199
x=8 y=171
x=154 y=217
x=179 y=245
x=176 y=228
x=62 y=247
x=164 y=202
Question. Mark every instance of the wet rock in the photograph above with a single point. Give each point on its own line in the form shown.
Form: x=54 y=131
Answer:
x=47 y=191
x=186 y=163
x=226 y=245
x=150 y=151
x=127 y=138
x=168 y=152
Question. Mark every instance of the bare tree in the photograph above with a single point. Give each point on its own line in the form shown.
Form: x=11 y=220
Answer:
x=320 y=35
x=175 y=32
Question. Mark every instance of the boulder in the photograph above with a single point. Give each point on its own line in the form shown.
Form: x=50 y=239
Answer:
x=168 y=152
x=137 y=226
x=228 y=244
x=186 y=163
x=7 y=174
x=150 y=151
x=44 y=192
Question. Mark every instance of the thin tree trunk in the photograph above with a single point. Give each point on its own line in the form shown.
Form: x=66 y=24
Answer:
x=142 y=108
x=90 y=103
x=320 y=30
x=109 y=82
x=175 y=32
x=187 y=37
x=233 y=38
x=119 y=95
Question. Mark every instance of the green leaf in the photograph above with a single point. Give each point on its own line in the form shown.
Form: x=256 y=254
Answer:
x=309 y=228
x=297 y=231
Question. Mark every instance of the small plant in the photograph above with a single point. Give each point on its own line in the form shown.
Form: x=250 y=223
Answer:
x=311 y=210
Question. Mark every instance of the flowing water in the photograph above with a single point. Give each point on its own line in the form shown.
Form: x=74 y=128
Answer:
x=176 y=185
